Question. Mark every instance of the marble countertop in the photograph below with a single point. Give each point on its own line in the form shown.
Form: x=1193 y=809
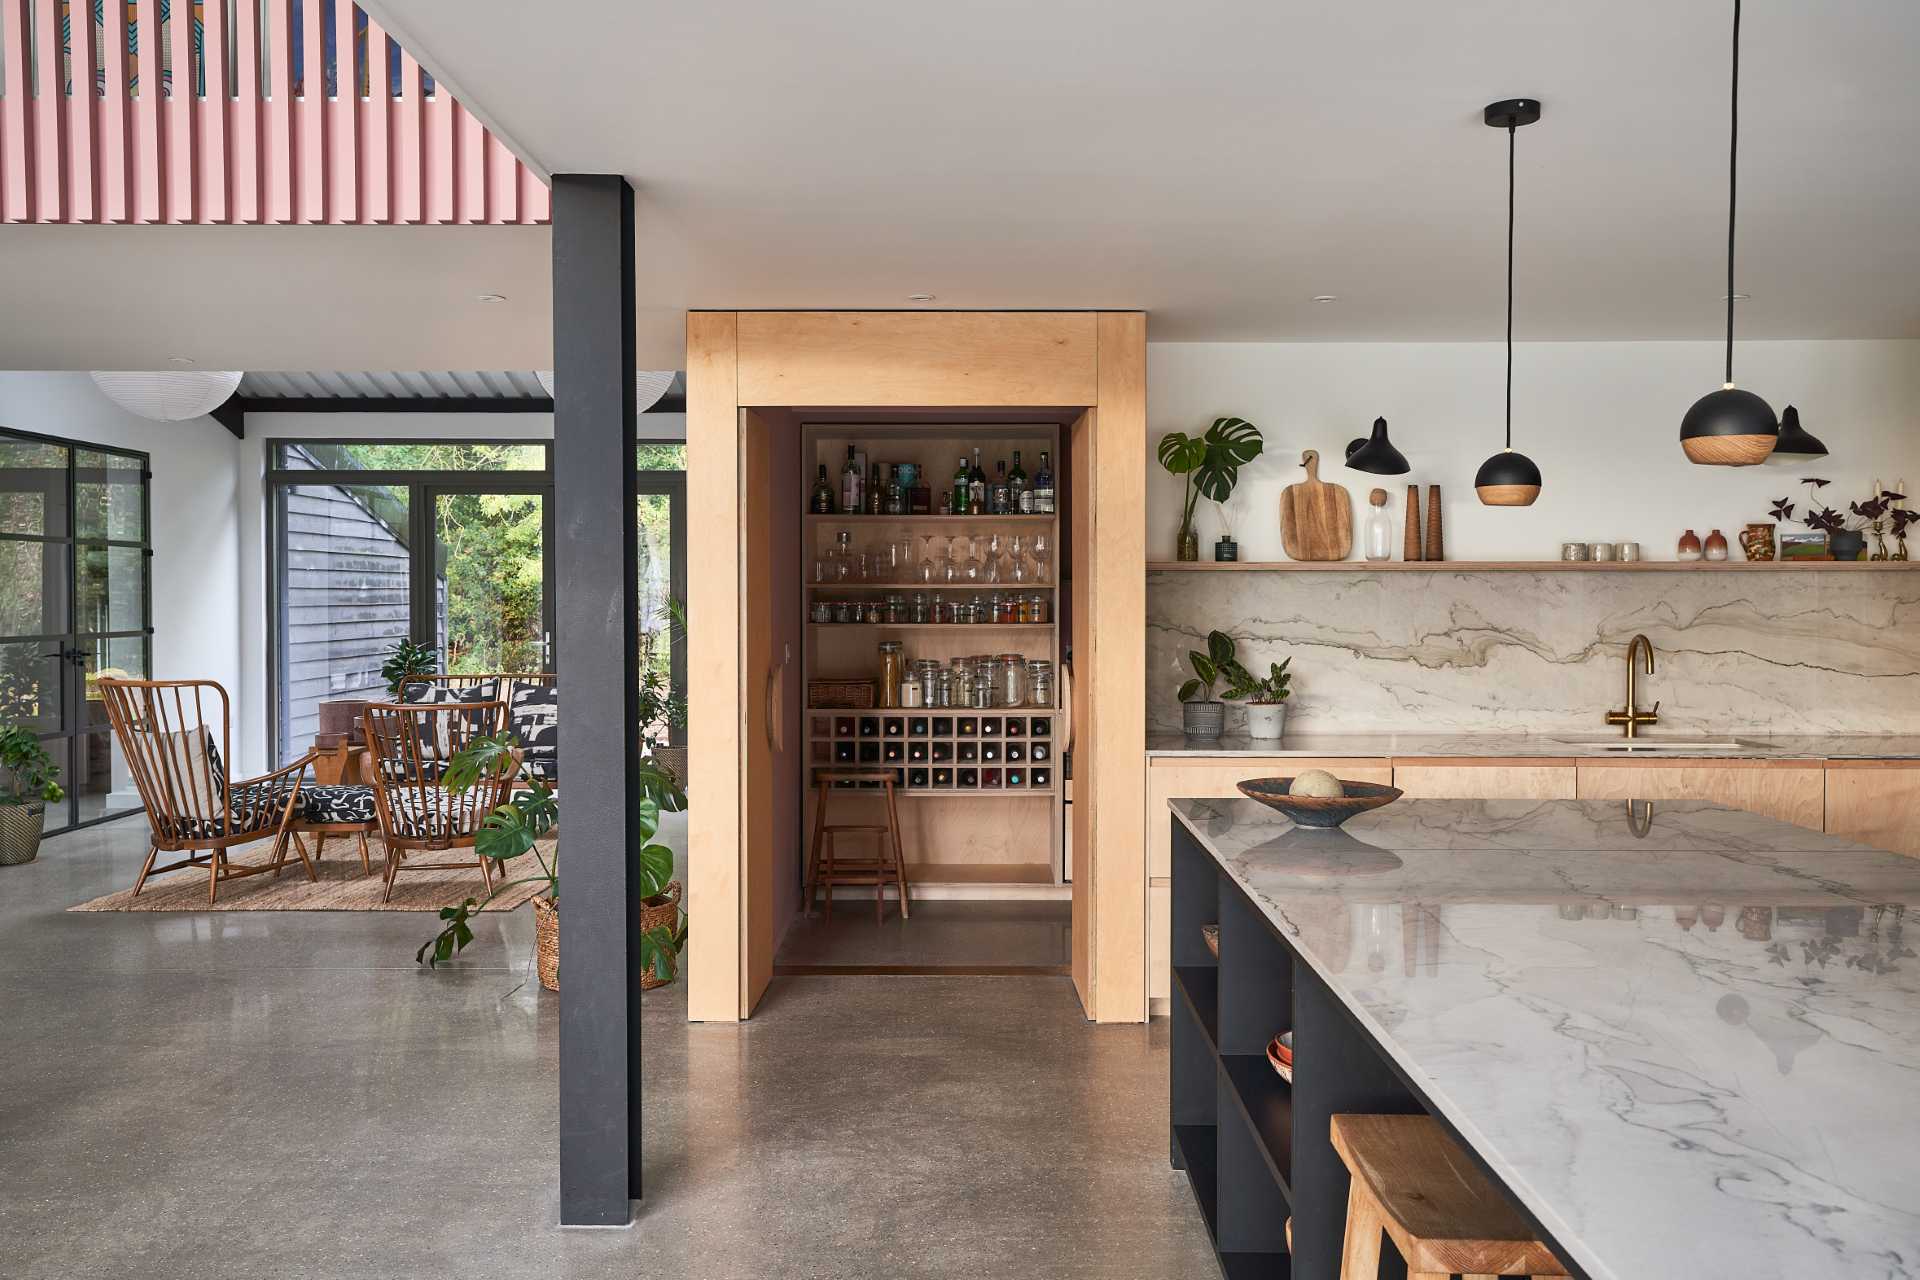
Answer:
x=1750 y=746
x=1691 y=1044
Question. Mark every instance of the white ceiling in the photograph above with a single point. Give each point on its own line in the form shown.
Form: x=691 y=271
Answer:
x=1218 y=163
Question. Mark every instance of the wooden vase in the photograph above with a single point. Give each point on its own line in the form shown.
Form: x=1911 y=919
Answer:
x=1436 y=546
x=1411 y=549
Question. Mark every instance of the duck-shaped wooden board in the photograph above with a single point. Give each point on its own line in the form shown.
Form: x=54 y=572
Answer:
x=1316 y=518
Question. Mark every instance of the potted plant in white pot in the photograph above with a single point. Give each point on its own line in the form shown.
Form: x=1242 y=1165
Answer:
x=1266 y=696
x=30 y=785
x=1201 y=714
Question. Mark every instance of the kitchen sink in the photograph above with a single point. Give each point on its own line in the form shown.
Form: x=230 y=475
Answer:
x=1669 y=746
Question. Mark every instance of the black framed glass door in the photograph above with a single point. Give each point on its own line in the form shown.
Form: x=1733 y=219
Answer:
x=75 y=604
x=486 y=602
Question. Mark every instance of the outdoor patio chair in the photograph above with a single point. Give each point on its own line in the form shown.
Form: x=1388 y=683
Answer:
x=166 y=732
x=533 y=712
x=410 y=745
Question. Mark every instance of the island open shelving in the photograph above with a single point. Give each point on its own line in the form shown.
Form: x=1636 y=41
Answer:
x=980 y=787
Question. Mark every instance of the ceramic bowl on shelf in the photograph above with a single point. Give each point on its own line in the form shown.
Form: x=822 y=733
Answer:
x=1319 y=811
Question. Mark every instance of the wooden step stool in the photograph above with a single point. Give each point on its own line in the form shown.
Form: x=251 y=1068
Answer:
x=889 y=861
x=1446 y=1218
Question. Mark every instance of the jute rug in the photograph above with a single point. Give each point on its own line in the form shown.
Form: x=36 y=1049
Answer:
x=341 y=886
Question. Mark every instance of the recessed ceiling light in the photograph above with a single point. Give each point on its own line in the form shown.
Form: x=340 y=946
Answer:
x=493 y=297
x=183 y=360
x=1325 y=297
x=1738 y=297
x=919 y=297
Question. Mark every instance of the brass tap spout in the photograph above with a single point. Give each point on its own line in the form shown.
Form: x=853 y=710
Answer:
x=1631 y=717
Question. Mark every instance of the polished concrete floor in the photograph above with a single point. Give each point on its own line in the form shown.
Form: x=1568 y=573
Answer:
x=288 y=1095
x=939 y=935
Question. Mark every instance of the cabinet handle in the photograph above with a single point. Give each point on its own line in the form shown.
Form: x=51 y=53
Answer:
x=776 y=678
x=1066 y=708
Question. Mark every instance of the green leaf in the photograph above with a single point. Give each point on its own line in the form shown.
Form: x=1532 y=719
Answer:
x=656 y=869
x=502 y=836
x=1216 y=482
x=1188 y=689
x=1233 y=442
x=1203 y=666
x=1220 y=648
x=1180 y=453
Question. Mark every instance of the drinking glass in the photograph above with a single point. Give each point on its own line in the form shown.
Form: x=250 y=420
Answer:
x=1042 y=553
x=990 y=561
x=1018 y=556
x=929 y=572
x=970 y=570
x=903 y=561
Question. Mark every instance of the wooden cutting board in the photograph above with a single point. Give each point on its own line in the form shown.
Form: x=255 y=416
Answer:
x=1316 y=518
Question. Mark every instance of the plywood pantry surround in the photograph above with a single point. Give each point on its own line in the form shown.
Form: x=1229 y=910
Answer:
x=762 y=389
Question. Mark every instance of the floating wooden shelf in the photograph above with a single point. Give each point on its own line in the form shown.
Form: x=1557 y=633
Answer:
x=1519 y=566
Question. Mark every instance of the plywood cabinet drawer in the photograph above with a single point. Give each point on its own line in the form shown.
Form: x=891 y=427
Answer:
x=1876 y=802
x=1470 y=779
x=1792 y=791
x=1218 y=778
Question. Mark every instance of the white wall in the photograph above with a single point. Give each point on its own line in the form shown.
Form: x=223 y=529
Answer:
x=1601 y=419
x=196 y=518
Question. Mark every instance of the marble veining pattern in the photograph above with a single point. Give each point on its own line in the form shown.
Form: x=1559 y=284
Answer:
x=1539 y=653
x=1691 y=1047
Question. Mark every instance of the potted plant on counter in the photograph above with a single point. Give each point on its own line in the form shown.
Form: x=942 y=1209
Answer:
x=31 y=785
x=516 y=827
x=1201 y=714
x=1211 y=465
x=1266 y=696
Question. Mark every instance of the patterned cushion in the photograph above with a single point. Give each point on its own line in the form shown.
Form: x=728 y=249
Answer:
x=320 y=803
x=534 y=718
x=256 y=809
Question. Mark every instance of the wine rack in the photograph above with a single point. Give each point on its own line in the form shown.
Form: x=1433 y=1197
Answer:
x=941 y=752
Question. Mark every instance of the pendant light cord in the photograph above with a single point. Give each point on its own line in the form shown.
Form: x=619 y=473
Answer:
x=1511 y=131
x=1733 y=181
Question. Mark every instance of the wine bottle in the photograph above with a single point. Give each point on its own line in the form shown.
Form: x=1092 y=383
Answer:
x=960 y=478
x=1043 y=487
x=1000 y=497
x=876 y=493
x=850 y=485
x=822 y=501
x=1020 y=493
x=976 y=487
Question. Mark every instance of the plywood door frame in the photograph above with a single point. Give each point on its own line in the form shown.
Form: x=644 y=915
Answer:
x=1085 y=360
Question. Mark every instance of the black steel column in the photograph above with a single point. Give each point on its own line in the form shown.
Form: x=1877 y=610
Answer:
x=595 y=510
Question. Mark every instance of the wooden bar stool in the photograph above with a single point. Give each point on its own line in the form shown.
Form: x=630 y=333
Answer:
x=889 y=861
x=1413 y=1182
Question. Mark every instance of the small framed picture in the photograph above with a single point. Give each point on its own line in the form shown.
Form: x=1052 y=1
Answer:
x=1803 y=546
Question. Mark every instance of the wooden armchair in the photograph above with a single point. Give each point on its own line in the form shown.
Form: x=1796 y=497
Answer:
x=410 y=745
x=533 y=712
x=180 y=767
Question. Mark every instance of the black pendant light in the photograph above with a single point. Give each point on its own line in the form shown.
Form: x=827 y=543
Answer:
x=1376 y=454
x=1509 y=479
x=1730 y=427
x=1794 y=440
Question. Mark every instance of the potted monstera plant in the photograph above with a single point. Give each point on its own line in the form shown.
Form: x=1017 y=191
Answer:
x=28 y=784
x=1210 y=464
x=515 y=828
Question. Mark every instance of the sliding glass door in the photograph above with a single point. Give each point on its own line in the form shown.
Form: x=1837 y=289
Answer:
x=74 y=588
x=488 y=593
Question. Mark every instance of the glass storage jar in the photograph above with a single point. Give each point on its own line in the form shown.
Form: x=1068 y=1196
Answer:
x=1039 y=683
x=893 y=661
x=896 y=608
x=1013 y=680
x=845 y=611
x=822 y=611
x=919 y=611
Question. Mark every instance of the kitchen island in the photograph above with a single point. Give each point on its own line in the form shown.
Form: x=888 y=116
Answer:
x=1685 y=1038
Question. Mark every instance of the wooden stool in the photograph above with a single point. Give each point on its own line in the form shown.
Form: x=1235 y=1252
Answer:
x=823 y=868
x=1415 y=1183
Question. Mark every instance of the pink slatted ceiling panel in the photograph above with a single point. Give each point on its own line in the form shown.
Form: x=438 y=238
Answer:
x=158 y=123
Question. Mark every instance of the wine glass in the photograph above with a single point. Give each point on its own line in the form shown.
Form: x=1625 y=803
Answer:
x=990 y=562
x=1042 y=551
x=970 y=571
x=928 y=570
x=1018 y=557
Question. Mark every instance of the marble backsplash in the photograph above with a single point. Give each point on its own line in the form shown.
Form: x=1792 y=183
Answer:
x=1779 y=652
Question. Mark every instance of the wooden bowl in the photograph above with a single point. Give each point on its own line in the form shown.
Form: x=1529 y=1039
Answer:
x=1319 y=811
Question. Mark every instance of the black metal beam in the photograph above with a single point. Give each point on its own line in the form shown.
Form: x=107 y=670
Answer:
x=418 y=404
x=232 y=414
x=596 y=500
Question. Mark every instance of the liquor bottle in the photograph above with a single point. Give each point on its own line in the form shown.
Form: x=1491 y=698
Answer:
x=960 y=478
x=1043 y=487
x=1000 y=497
x=850 y=485
x=1020 y=491
x=822 y=502
x=876 y=493
x=919 y=496
x=976 y=487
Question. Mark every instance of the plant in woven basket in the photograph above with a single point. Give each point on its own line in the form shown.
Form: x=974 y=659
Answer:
x=516 y=827
x=28 y=775
x=407 y=662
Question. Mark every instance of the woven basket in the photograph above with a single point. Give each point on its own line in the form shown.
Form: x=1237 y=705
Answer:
x=660 y=912
x=20 y=828
x=840 y=695
x=674 y=761
x=546 y=941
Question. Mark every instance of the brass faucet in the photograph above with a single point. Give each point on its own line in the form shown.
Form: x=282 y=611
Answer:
x=1633 y=717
